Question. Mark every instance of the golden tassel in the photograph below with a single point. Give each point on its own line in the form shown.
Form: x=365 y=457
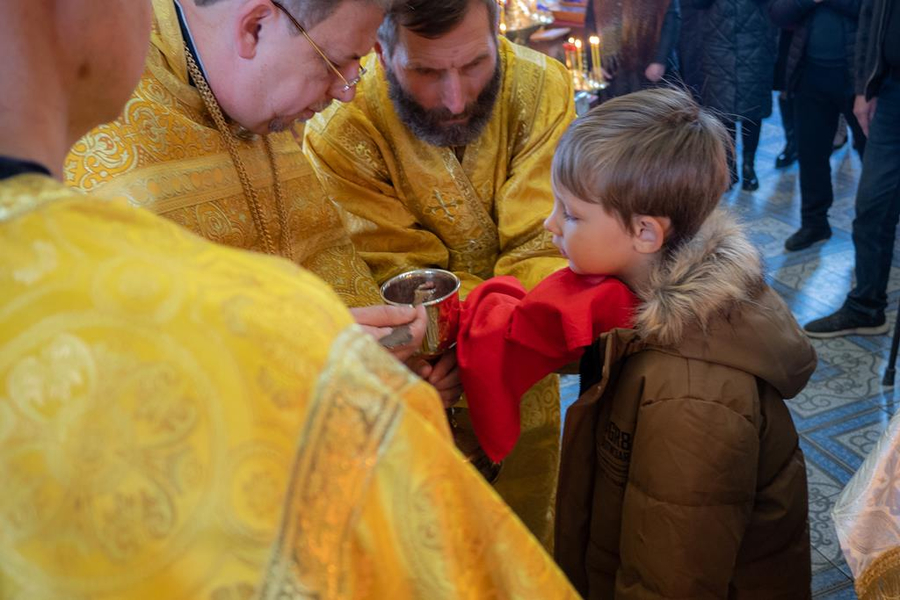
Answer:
x=881 y=580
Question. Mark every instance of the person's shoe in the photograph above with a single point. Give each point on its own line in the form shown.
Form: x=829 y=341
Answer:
x=749 y=182
x=846 y=322
x=806 y=237
x=787 y=157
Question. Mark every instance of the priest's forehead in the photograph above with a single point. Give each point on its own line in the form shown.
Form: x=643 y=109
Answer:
x=438 y=56
x=471 y=40
x=309 y=12
x=434 y=20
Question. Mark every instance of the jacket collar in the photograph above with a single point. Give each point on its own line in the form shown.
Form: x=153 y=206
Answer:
x=699 y=280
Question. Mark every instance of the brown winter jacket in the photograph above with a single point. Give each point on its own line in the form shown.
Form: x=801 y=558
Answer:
x=681 y=474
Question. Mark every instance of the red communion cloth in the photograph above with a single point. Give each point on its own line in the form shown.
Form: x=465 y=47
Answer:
x=509 y=340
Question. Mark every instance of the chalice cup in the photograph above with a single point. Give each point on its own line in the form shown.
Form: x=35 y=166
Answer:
x=438 y=291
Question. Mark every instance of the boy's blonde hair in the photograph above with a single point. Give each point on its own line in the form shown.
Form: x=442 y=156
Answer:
x=654 y=152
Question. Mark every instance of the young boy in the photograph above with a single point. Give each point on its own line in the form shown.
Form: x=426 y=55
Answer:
x=681 y=473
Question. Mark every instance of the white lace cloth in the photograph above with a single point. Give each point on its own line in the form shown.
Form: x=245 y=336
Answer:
x=867 y=513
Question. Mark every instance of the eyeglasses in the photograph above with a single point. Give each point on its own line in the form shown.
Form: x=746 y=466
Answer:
x=348 y=85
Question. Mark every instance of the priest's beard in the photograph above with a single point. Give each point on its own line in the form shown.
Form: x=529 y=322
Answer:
x=429 y=124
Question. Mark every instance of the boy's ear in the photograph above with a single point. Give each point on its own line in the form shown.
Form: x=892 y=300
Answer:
x=650 y=233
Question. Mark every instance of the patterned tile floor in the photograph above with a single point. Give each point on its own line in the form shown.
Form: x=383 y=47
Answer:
x=844 y=408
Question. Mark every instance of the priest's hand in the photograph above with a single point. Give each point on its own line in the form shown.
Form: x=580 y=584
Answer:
x=381 y=321
x=442 y=375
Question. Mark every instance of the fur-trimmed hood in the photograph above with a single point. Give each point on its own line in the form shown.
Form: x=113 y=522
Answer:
x=705 y=277
x=709 y=300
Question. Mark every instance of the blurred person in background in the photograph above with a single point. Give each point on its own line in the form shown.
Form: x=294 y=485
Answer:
x=877 y=109
x=639 y=42
x=731 y=48
x=820 y=76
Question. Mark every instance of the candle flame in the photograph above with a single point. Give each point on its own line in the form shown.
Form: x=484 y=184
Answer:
x=595 y=40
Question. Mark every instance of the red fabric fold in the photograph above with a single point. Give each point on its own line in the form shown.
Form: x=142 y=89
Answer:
x=509 y=340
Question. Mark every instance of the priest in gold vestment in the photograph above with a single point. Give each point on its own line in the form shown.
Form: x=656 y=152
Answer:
x=443 y=160
x=167 y=153
x=208 y=138
x=183 y=420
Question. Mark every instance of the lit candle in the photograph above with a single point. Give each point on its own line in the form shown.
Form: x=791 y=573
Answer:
x=569 y=50
x=502 y=4
x=579 y=57
x=595 y=57
x=569 y=47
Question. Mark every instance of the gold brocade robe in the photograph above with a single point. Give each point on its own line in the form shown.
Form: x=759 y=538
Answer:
x=165 y=154
x=410 y=204
x=183 y=420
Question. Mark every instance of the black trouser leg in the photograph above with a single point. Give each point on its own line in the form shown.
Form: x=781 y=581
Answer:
x=789 y=153
x=877 y=206
x=750 y=132
x=731 y=126
x=819 y=100
x=786 y=107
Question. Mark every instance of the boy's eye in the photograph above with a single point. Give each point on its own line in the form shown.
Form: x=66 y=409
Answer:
x=569 y=217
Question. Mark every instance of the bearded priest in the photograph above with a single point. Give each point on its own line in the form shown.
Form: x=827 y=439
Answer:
x=443 y=160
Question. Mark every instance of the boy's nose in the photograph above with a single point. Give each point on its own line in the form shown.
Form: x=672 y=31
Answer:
x=550 y=224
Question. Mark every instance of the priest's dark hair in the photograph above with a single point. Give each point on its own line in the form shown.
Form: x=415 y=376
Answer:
x=430 y=18
x=312 y=12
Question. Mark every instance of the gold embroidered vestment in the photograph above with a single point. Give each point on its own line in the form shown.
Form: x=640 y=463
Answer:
x=165 y=154
x=182 y=420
